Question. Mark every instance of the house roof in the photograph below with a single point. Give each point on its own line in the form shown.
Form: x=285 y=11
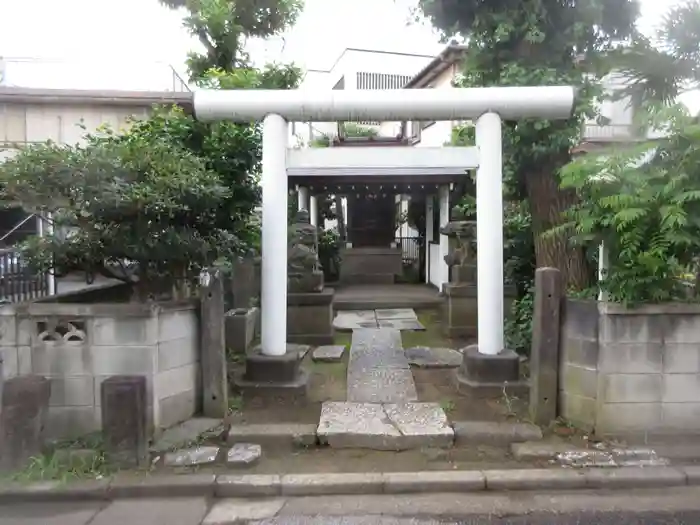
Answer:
x=449 y=56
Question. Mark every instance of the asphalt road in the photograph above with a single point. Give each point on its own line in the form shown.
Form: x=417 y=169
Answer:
x=642 y=507
x=587 y=518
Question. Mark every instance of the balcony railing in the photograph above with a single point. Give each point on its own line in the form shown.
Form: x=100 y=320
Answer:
x=17 y=282
x=609 y=133
x=77 y=74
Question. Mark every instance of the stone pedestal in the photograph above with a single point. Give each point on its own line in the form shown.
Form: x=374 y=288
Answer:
x=241 y=325
x=460 y=311
x=310 y=317
x=273 y=378
x=490 y=375
x=23 y=418
x=464 y=274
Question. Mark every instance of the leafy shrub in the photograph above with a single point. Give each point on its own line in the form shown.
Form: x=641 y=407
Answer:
x=137 y=207
x=518 y=325
x=643 y=203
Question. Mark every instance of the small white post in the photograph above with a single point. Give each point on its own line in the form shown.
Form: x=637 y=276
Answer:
x=48 y=229
x=303 y=197
x=602 y=269
x=444 y=198
x=273 y=322
x=428 y=234
x=313 y=210
x=489 y=234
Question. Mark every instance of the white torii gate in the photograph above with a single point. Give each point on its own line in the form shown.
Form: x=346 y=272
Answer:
x=488 y=106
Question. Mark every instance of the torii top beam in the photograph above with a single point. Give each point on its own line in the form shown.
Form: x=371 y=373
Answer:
x=299 y=105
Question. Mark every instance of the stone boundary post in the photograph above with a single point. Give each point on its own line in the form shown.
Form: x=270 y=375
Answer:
x=544 y=353
x=23 y=419
x=213 y=346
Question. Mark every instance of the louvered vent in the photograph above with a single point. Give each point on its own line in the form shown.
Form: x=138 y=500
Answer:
x=380 y=81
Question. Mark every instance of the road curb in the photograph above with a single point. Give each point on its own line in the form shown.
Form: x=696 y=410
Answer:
x=294 y=485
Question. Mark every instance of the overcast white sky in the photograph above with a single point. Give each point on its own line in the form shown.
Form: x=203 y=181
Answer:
x=123 y=38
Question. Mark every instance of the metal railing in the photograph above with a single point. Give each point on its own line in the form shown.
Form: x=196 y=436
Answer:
x=17 y=282
x=410 y=248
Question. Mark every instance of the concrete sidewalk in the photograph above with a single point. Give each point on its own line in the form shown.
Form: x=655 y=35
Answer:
x=653 y=506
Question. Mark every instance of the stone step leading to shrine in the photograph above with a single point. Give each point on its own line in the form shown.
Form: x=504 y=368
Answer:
x=382 y=411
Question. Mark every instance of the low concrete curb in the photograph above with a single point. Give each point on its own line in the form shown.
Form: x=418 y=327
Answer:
x=258 y=485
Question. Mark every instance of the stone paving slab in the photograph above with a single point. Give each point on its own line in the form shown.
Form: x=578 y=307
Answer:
x=384 y=427
x=370 y=359
x=426 y=357
x=357 y=425
x=391 y=385
x=355 y=319
x=328 y=354
x=421 y=424
x=401 y=324
x=395 y=313
x=378 y=370
x=300 y=349
x=191 y=457
x=243 y=455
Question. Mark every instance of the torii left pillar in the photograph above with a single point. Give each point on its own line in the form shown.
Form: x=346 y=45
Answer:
x=271 y=371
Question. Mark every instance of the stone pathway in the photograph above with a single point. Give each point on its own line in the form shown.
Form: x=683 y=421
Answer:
x=382 y=411
x=378 y=371
x=399 y=318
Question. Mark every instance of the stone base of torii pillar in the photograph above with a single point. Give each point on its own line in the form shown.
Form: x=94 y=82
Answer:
x=486 y=376
x=274 y=379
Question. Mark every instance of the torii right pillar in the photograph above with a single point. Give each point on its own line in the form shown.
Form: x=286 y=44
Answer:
x=487 y=367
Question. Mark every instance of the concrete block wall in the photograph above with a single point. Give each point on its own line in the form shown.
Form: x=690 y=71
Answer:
x=578 y=362
x=77 y=346
x=632 y=371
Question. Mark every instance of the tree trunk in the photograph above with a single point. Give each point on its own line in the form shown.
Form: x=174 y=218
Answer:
x=547 y=204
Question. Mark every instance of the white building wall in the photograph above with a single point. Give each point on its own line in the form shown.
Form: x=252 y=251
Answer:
x=346 y=67
x=438 y=133
x=30 y=123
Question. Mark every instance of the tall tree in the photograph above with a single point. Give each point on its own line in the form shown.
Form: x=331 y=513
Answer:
x=223 y=27
x=539 y=42
x=233 y=150
x=667 y=65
